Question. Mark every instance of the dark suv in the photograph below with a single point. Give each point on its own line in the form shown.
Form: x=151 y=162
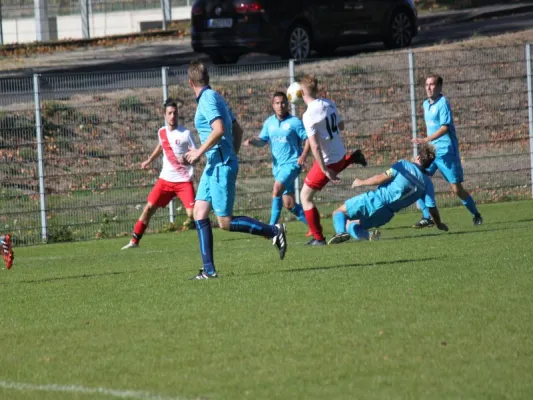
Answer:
x=227 y=29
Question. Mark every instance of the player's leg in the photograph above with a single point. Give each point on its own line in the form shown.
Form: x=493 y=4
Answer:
x=160 y=196
x=452 y=170
x=357 y=157
x=202 y=207
x=340 y=218
x=222 y=186
x=286 y=177
x=314 y=182
x=277 y=202
x=7 y=250
x=185 y=192
x=426 y=221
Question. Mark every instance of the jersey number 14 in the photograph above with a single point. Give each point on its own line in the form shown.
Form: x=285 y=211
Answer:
x=331 y=125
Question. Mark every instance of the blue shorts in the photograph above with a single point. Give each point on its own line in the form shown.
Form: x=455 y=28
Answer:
x=286 y=175
x=369 y=210
x=449 y=166
x=217 y=186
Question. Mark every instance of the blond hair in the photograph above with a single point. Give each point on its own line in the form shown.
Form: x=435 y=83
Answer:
x=310 y=83
x=198 y=74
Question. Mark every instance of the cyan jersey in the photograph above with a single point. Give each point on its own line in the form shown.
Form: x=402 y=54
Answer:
x=285 y=138
x=437 y=114
x=408 y=184
x=211 y=106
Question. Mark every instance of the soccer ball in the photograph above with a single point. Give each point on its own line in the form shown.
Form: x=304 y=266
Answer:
x=295 y=93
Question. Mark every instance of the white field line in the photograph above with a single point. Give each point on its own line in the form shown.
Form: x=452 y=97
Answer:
x=123 y=394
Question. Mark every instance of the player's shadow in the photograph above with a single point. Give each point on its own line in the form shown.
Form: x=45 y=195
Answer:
x=65 y=278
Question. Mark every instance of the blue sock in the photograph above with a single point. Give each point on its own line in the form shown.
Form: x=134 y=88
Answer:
x=205 y=236
x=470 y=205
x=425 y=210
x=339 y=222
x=277 y=204
x=298 y=211
x=249 y=225
x=357 y=232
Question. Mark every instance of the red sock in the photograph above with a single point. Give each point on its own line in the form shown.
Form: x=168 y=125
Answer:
x=138 y=231
x=313 y=219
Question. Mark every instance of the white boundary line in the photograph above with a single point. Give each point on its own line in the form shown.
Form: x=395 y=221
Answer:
x=124 y=394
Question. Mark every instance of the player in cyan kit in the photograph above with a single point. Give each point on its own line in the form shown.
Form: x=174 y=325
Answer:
x=441 y=134
x=221 y=137
x=286 y=135
x=176 y=175
x=323 y=124
x=399 y=187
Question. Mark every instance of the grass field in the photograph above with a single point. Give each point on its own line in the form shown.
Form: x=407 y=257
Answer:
x=417 y=315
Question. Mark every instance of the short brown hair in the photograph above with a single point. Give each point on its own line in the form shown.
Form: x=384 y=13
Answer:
x=426 y=153
x=438 y=79
x=198 y=74
x=310 y=83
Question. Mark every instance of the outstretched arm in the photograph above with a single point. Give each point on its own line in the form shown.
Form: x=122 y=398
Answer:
x=254 y=141
x=157 y=151
x=372 y=181
x=443 y=130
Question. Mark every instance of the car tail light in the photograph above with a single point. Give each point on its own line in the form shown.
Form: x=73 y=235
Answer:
x=249 y=8
x=197 y=10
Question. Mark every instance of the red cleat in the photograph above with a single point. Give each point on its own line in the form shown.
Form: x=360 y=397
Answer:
x=7 y=251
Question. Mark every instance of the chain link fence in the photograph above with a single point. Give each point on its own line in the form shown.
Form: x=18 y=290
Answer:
x=71 y=144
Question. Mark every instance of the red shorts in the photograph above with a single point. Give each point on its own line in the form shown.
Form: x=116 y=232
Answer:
x=316 y=179
x=165 y=191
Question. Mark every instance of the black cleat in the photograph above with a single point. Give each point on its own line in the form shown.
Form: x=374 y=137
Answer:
x=316 y=242
x=357 y=157
x=424 y=223
x=280 y=240
x=339 y=238
x=204 y=275
x=478 y=219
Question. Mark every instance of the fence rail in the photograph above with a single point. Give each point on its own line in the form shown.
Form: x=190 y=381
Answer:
x=71 y=144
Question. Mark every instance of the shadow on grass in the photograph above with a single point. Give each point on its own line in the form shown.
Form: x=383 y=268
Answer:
x=64 y=278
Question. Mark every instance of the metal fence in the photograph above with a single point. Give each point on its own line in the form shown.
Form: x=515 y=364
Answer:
x=71 y=145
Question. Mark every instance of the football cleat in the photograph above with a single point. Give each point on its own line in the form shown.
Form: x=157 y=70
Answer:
x=339 y=238
x=130 y=245
x=280 y=240
x=316 y=242
x=188 y=224
x=374 y=235
x=202 y=275
x=357 y=157
x=7 y=250
x=424 y=223
x=478 y=219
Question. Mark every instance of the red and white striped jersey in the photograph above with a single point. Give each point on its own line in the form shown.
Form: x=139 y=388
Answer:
x=175 y=144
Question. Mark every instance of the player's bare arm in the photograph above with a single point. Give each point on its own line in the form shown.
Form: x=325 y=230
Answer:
x=237 y=135
x=217 y=131
x=434 y=212
x=443 y=130
x=375 y=180
x=305 y=152
x=314 y=144
x=254 y=141
x=157 y=151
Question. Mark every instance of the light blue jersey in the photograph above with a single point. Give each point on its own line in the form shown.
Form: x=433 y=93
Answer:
x=408 y=184
x=211 y=106
x=436 y=115
x=285 y=138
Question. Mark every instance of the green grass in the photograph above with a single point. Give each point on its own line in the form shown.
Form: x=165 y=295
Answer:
x=420 y=315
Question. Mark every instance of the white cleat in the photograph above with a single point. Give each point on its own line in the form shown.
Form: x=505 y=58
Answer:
x=130 y=245
x=375 y=235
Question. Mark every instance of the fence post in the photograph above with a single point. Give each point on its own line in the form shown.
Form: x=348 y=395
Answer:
x=164 y=77
x=412 y=91
x=293 y=112
x=530 y=110
x=40 y=156
x=166 y=8
x=85 y=19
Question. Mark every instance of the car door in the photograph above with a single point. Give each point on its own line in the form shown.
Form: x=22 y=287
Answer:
x=358 y=17
x=326 y=16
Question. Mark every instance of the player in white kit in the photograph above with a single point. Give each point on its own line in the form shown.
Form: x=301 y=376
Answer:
x=176 y=175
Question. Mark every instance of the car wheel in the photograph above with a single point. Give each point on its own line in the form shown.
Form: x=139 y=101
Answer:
x=224 y=59
x=400 y=32
x=298 y=43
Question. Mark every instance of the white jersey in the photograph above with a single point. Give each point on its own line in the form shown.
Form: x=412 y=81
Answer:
x=175 y=144
x=321 y=119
